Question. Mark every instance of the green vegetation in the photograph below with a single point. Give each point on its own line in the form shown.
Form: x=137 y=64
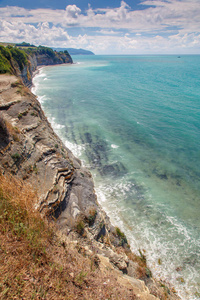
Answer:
x=80 y=227
x=148 y=272
x=9 y=56
x=46 y=51
x=16 y=156
x=121 y=235
x=5 y=57
x=92 y=216
x=17 y=55
x=24 y=44
x=24 y=113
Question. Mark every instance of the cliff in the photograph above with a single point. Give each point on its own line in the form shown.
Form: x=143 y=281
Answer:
x=23 y=61
x=32 y=152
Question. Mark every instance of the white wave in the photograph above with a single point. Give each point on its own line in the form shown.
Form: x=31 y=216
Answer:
x=42 y=99
x=114 y=146
x=36 y=80
x=77 y=150
x=164 y=249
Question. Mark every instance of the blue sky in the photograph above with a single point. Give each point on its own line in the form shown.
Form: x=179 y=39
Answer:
x=61 y=4
x=105 y=27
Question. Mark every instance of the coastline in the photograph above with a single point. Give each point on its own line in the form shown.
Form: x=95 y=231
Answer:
x=164 y=225
x=162 y=283
x=65 y=188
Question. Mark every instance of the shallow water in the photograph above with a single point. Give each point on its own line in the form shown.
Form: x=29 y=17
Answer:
x=134 y=121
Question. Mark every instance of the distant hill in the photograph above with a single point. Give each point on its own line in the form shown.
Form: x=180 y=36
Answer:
x=73 y=51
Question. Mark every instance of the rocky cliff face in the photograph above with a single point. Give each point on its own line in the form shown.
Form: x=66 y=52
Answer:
x=23 y=61
x=37 y=59
x=31 y=151
x=44 y=59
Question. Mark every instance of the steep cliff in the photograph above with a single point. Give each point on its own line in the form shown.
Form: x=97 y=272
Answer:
x=32 y=152
x=23 y=62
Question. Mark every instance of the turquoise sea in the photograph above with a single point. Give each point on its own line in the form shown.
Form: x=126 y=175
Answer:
x=135 y=123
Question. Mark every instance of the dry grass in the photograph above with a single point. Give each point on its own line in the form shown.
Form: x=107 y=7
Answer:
x=35 y=264
x=8 y=132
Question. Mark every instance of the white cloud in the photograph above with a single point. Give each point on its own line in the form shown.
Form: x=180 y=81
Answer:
x=108 y=32
x=144 y=29
x=40 y=34
x=185 y=14
x=73 y=11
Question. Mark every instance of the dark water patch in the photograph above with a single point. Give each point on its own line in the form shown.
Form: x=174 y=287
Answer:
x=160 y=174
x=81 y=137
x=88 y=137
x=70 y=133
x=96 y=149
x=93 y=158
x=115 y=169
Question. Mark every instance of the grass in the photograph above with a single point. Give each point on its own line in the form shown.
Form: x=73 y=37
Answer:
x=36 y=264
x=121 y=235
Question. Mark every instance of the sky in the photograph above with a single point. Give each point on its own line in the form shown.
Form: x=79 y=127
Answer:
x=104 y=26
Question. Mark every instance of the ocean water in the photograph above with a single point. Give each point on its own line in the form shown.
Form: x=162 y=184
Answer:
x=135 y=123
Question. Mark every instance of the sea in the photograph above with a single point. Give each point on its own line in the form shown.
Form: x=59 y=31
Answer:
x=134 y=121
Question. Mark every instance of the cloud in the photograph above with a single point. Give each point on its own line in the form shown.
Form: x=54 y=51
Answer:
x=108 y=32
x=43 y=33
x=172 y=25
x=73 y=11
x=156 y=15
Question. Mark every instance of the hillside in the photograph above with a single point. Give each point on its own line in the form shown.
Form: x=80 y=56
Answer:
x=22 y=60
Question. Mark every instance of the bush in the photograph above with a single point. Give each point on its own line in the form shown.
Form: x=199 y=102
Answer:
x=92 y=216
x=16 y=156
x=5 y=56
x=122 y=237
x=20 y=57
x=46 y=50
x=5 y=52
x=80 y=227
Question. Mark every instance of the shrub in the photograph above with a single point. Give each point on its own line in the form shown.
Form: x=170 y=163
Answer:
x=5 y=66
x=92 y=216
x=80 y=227
x=16 y=156
x=20 y=57
x=5 y=52
x=122 y=237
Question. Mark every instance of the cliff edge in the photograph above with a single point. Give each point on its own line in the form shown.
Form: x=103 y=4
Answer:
x=32 y=152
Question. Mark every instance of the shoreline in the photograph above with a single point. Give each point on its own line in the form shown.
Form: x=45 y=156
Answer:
x=100 y=202
x=65 y=190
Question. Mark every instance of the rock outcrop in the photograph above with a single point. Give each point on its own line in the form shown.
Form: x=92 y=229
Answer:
x=23 y=61
x=31 y=151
